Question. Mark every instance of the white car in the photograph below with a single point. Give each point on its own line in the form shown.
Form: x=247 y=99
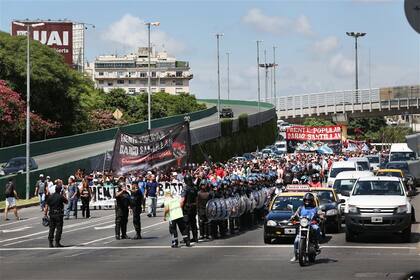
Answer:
x=362 y=162
x=378 y=205
x=340 y=166
x=281 y=146
x=375 y=161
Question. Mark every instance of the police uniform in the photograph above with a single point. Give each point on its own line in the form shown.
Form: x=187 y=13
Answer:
x=55 y=203
x=189 y=194
x=136 y=206
x=203 y=197
x=122 y=202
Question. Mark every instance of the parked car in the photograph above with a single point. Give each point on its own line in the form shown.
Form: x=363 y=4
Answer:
x=16 y=165
x=226 y=113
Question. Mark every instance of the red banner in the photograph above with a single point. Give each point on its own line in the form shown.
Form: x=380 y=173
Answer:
x=57 y=35
x=313 y=133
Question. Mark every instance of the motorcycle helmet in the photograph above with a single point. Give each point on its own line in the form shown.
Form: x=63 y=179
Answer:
x=309 y=200
x=315 y=177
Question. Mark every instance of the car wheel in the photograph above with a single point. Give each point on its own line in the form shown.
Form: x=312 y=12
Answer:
x=267 y=240
x=350 y=236
x=406 y=235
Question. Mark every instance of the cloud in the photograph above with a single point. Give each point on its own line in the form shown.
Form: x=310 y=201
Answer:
x=325 y=46
x=341 y=66
x=130 y=31
x=277 y=25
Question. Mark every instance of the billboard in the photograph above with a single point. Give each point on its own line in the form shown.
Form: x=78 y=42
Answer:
x=161 y=148
x=320 y=139
x=57 y=35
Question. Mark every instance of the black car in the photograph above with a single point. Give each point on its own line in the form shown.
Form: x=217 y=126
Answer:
x=226 y=113
x=408 y=179
x=17 y=164
x=329 y=204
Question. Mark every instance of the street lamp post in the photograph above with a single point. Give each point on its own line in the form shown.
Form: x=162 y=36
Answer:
x=228 y=82
x=28 y=99
x=218 y=73
x=274 y=75
x=356 y=35
x=149 y=101
x=258 y=73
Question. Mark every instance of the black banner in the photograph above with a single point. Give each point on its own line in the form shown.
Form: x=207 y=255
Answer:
x=161 y=148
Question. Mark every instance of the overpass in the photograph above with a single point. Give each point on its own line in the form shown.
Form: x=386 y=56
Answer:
x=349 y=103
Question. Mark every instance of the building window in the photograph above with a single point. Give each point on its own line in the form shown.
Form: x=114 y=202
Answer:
x=131 y=91
x=179 y=83
x=101 y=82
x=120 y=82
x=110 y=84
x=162 y=82
x=132 y=74
x=142 y=75
x=101 y=73
x=131 y=82
x=179 y=90
x=153 y=82
x=162 y=89
x=179 y=73
x=153 y=74
x=120 y=73
x=142 y=90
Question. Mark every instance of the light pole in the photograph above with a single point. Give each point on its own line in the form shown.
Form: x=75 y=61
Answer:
x=356 y=35
x=258 y=73
x=228 y=82
x=274 y=75
x=218 y=74
x=149 y=101
x=85 y=25
x=28 y=99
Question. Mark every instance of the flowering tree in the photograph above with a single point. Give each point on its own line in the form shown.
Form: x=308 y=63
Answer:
x=13 y=116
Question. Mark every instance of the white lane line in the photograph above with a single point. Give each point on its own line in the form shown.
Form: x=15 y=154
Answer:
x=20 y=221
x=113 y=236
x=15 y=229
x=65 y=227
x=41 y=237
x=193 y=247
x=105 y=227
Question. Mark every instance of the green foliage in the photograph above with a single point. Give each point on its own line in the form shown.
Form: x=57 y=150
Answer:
x=366 y=125
x=243 y=122
x=226 y=127
x=388 y=134
x=316 y=122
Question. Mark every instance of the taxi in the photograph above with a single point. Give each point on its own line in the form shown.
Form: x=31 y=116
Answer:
x=277 y=224
x=407 y=180
x=330 y=205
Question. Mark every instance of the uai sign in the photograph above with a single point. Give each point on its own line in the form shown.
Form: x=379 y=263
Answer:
x=57 y=35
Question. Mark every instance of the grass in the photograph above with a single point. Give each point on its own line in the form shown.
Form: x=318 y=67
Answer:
x=19 y=202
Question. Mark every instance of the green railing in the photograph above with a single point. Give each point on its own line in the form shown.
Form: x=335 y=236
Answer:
x=238 y=102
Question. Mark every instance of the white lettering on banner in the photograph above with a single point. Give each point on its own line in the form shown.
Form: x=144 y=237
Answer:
x=21 y=32
x=54 y=37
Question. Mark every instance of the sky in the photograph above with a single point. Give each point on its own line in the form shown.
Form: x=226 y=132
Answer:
x=312 y=50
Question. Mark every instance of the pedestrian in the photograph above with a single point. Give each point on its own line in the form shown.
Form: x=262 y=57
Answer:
x=151 y=194
x=137 y=199
x=142 y=187
x=11 y=196
x=73 y=197
x=55 y=209
x=122 y=202
x=85 y=196
x=173 y=213
x=41 y=188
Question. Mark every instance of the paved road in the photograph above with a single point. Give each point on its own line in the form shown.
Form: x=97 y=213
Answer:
x=93 y=253
x=65 y=156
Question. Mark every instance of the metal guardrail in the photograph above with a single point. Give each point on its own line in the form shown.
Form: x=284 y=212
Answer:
x=345 y=101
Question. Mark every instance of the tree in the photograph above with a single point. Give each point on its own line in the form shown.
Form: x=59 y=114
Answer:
x=316 y=122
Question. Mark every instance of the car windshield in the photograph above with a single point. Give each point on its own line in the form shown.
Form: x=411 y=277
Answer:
x=15 y=163
x=397 y=165
x=325 y=196
x=363 y=165
x=378 y=188
x=281 y=146
x=335 y=171
x=281 y=202
x=341 y=185
x=373 y=159
x=397 y=156
x=389 y=173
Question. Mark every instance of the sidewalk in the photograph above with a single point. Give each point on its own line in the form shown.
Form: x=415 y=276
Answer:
x=21 y=203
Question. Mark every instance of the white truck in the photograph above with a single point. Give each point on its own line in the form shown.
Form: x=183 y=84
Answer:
x=378 y=205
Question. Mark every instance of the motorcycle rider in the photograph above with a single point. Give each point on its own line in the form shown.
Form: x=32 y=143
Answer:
x=315 y=181
x=309 y=210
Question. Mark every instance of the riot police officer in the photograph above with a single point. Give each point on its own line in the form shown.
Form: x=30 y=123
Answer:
x=55 y=205
x=189 y=206
x=122 y=201
x=137 y=198
x=202 y=197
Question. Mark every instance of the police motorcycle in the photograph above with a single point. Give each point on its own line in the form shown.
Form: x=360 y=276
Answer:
x=307 y=247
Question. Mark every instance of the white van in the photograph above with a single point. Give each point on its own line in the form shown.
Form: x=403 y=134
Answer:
x=401 y=152
x=344 y=182
x=362 y=162
x=338 y=167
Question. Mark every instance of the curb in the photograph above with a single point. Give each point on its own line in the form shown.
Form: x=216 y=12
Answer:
x=22 y=206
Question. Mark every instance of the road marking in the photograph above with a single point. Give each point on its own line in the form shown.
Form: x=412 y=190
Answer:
x=113 y=236
x=105 y=227
x=15 y=229
x=194 y=247
x=20 y=221
x=65 y=227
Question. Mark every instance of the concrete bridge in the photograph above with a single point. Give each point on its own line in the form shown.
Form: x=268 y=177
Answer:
x=340 y=105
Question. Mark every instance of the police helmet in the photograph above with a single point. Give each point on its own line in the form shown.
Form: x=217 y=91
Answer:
x=309 y=200
x=188 y=180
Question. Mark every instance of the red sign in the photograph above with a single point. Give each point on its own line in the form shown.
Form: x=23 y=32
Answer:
x=313 y=133
x=57 y=35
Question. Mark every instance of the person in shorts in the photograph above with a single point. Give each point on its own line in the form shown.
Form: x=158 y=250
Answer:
x=11 y=196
